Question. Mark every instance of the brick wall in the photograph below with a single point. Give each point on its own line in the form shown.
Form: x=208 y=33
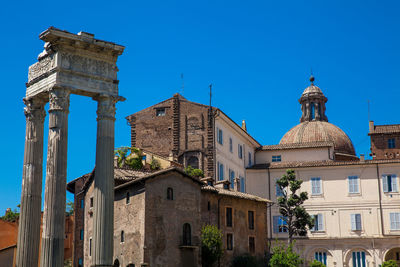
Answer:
x=379 y=146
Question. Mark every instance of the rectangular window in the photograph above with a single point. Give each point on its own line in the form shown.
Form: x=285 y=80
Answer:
x=252 y=244
x=242 y=184
x=320 y=256
x=353 y=185
x=395 y=221
x=160 y=112
x=391 y=143
x=128 y=198
x=230 y=144
x=91 y=202
x=278 y=191
x=229 y=217
x=220 y=171
x=90 y=247
x=240 y=151
x=81 y=234
x=82 y=203
x=356 y=222
x=276 y=158
x=318 y=223
x=229 y=241
x=316 y=186
x=389 y=182
x=251 y=219
x=279 y=224
x=250 y=162
x=220 y=138
x=232 y=178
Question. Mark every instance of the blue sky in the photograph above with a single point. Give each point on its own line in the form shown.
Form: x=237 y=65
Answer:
x=257 y=54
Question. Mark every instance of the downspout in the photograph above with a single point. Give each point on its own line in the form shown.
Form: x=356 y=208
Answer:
x=380 y=199
x=270 y=211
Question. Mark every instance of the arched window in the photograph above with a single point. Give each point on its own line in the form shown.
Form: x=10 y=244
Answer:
x=312 y=111
x=193 y=162
x=187 y=235
x=122 y=236
x=116 y=263
x=170 y=193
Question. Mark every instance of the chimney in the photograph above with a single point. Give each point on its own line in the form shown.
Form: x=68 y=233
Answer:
x=371 y=126
x=362 y=157
x=244 y=125
x=8 y=210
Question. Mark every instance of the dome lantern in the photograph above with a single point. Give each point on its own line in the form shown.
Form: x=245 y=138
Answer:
x=313 y=103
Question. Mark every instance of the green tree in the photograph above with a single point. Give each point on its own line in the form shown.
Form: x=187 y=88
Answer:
x=11 y=216
x=291 y=205
x=155 y=164
x=134 y=160
x=121 y=153
x=389 y=263
x=283 y=256
x=211 y=245
x=316 y=263
x=69 y=209
x=194 y=172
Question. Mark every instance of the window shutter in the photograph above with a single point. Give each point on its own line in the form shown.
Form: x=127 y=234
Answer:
x=353 y=222
x=384 y=183
x=358 y=221
x=320 y=222
x=313 y=186
x=276 y=224
x=350 y=185
x=394 y=183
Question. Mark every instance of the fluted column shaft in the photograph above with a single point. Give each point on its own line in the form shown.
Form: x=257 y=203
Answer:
x=56 y=179
x=103 y=221
x=31 y=195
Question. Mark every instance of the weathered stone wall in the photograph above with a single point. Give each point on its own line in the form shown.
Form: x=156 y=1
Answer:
x=379 y=146
x=88 y=227
x=165 y=219
x=79 y=212
x=130 y=218
x=240 y=227
x=151 y=132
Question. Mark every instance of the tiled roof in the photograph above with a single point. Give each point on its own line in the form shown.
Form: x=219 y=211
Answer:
x=236 y=194
x=379 y=129
x=322 y=163
x=297 y=145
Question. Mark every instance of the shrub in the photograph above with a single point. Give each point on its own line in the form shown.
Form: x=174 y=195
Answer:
x=285 y=257
x=155 y=164
x=194 y=172
x=390 y=263
x=211 y=245
x=316 y=263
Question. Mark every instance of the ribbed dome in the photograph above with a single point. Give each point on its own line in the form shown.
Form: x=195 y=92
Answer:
x=319 y=131
x=312 y=89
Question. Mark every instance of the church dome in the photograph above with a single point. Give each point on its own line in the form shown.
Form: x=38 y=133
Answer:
x=319 y=131
x=314 y=125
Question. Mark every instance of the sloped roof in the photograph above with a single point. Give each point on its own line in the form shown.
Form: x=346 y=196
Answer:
x=298 y=145
x=236 y=194
x=390 y=128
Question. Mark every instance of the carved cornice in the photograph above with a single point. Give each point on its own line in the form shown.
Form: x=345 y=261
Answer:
x=34 y=110
x=59 y=100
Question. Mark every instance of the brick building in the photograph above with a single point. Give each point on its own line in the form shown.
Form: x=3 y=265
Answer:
x=158 y=218
x=194 y=134
x=385 y=140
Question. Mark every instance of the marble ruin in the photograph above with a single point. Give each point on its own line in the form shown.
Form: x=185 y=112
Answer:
x=70 y=64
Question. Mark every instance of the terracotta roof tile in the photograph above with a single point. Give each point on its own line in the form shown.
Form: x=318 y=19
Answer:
x=236 y=194
x=298 y=145
x=379 y=129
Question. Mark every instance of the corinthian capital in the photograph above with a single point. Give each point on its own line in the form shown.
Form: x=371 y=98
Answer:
x=59 y=99
x=106 y=106
x=34 y=109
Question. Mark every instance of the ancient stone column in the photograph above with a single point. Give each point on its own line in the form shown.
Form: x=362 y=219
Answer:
x=31 y=196
x=103 y=221
x=56 y=180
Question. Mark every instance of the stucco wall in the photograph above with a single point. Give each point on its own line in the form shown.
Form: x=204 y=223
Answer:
x=165 y=218
x=301 y=154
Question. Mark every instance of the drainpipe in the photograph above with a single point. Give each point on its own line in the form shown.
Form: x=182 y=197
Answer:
x=380 y=199
x=270 y=211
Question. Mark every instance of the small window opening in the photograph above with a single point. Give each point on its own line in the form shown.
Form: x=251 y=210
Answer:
x=160 y=112
x=91 y=202
x=187 y=235
x=170 y=193
x=128 y=198
x=122 y=237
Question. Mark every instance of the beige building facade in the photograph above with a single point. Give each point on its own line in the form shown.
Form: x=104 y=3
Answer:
x=355 y=202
